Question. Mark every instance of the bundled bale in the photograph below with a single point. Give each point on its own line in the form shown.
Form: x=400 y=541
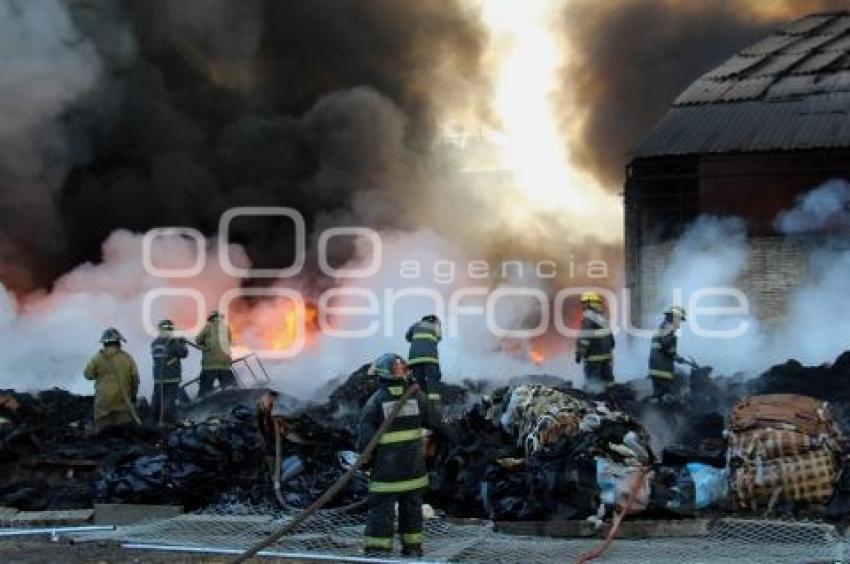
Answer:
x=782 y=446
x=806 y=478
x=783 y=411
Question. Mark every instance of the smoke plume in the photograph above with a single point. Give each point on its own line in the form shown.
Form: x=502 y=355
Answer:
x=826 y=208
x=627 y=61
x=713 y=253
x=142 y=114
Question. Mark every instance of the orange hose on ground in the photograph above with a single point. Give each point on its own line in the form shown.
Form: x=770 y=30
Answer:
x=615 y=526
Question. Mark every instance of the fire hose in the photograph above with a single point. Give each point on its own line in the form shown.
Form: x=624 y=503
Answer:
x=615 y=526
x=334 y=489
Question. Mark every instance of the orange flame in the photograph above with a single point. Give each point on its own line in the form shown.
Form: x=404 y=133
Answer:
x=274 y=325
x=536 y=356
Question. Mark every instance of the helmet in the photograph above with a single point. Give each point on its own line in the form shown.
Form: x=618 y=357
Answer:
x=431 y=318
x=676 y=311
x=383 y=365
x=112 y=335
x=166 y=325
x=591 y=297
x=215 y=314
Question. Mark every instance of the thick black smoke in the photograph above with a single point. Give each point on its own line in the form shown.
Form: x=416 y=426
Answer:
x=167 y=112
x=630 y=59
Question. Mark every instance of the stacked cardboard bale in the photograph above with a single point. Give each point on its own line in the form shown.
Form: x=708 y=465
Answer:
x=782 y=447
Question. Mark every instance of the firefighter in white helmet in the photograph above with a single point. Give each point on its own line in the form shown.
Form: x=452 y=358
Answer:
x=595 y=345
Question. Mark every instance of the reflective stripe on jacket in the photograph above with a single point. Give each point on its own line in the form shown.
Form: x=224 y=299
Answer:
x=398 y=463
x=423 y=337
x=596 y=342
x=167 y=353
x=662 y=353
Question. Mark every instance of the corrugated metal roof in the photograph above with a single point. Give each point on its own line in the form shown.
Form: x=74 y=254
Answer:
x=837 y=26
x=807 y=24
x=734 y=66
x=778 y=64
x=770 y=44
x=816 y=121
x=790 y=90
x=817 y=62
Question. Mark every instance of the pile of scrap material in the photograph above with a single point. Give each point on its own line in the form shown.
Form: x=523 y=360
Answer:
x=538 y=452
x=539 y=416
x=196 y=461
x=50 y=459
x=316 y=449
x=783 y=448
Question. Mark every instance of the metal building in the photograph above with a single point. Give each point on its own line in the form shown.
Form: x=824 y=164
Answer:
x=746 y=139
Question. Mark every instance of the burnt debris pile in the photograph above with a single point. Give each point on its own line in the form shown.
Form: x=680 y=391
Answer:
x=531 y=450
x=194 y=463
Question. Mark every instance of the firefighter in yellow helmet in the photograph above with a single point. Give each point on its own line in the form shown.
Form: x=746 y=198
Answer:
x=663 y=355
x=595 y=345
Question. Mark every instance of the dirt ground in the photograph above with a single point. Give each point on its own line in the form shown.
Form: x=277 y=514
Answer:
x=42 y=550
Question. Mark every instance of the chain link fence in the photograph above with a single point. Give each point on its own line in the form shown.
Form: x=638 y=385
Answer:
x=338 y=535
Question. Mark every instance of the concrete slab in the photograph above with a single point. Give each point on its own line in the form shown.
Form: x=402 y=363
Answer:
x=129 y=513
x=52 y=518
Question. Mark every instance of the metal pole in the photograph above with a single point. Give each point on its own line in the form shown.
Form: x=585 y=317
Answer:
x=272 y=553
x=55 y=530
x=251 y=370
x=263 y=368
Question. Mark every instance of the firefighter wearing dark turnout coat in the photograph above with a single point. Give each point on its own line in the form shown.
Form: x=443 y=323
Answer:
x=663 y=354
x=595 y=345
x=424 y=358
x=167 y=352
x=398 y=463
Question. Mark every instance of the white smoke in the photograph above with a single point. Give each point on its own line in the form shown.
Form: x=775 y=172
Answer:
x=827 y=207
x=48 y=338
x=714 y=253
x=404 y=293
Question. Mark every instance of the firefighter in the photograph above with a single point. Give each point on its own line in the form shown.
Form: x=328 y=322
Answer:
x=595 y=344
x=214 y=341
x=663 y=355
x=423 y=358
x=167 y=352
x=116 y=382
x=398 y=463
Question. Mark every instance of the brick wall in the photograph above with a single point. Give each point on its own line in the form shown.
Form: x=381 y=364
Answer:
x=776 y=265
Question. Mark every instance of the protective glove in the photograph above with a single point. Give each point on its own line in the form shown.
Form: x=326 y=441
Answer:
x=680 y=359
x=578 y=357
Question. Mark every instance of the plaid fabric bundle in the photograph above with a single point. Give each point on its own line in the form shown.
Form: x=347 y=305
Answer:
x=783 y=442
x=803 y=478
x=771 y=443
